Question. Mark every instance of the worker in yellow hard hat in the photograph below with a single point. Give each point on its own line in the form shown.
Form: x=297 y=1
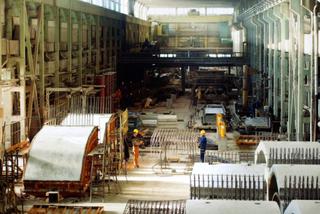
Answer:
x=202 y=144
x=137 y=140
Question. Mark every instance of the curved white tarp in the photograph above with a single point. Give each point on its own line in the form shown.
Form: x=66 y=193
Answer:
x=57 y=153
x=99 y=120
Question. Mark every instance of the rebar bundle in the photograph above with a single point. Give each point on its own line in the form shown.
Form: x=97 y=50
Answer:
x=228 y=157
x=155 y=207
x=233 y=187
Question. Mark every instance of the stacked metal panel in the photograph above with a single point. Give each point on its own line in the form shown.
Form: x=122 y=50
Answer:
x=167 y=121
x=228 y=181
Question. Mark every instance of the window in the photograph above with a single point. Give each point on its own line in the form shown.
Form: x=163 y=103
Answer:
x=220 y=11
x=162 y=11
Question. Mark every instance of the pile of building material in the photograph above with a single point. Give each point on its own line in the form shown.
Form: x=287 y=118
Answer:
x=284 y=152
x=167 y=121
x=262 y=123
x=66 y=209
x=228 y=181
x=149 y=120
x=231 y=206
x=58 y=160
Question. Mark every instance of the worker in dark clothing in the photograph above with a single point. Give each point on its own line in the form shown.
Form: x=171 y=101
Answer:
x=126 y=149
x=202 y=145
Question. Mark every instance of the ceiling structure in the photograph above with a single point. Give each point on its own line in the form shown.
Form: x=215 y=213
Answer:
x=189 y=3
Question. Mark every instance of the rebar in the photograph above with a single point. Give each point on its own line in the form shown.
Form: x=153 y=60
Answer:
x=230 y=187
x=174 y=142
x=299 y=188
x=228 y=157
x=155 y=207
x=294 y=156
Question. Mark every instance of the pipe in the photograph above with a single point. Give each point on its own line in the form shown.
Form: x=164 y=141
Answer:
x=311 y=112
x=315 y=64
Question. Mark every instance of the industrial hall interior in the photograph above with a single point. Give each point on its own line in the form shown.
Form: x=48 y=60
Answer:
x=159 y=107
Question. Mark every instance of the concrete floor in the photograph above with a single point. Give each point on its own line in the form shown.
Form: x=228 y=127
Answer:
x=149 y=182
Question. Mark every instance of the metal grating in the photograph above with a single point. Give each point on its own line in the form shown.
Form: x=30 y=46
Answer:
x=155 y=207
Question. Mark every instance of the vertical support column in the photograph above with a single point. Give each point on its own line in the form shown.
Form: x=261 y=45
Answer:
x=42 y=70
x=265 y=51
x=57 y=47
x=22 y=71
x=300 y=94
x=69 y=43
x=97 y=43
x=2 y=146
x=292 y=75
x=276 y=70
x=316 y=78
x=245 y=90
x=260 y=42
x=183 y=79
x=270 y=56
x=282 y=14
x=80 y=48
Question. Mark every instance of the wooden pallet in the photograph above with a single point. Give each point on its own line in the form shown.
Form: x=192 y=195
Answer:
x=58 y=209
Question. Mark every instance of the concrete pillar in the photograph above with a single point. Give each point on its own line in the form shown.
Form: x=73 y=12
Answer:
x=245 y=87
x=183 y=80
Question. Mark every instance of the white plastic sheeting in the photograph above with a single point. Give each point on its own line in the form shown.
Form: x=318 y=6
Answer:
x=303 y=207
x=99 y=120
x=231 y=207
x=57 y=153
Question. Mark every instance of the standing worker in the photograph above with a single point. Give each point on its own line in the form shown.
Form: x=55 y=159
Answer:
x=202 y=145
x=137 y=140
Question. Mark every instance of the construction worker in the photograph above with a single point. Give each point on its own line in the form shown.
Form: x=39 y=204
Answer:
x=202 y=145
x=137 y=140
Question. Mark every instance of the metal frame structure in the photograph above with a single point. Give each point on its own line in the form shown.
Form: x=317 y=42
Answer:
x=276 y=33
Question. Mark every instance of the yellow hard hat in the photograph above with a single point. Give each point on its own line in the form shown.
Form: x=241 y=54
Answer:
x=136 y=131
x=202 y=132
